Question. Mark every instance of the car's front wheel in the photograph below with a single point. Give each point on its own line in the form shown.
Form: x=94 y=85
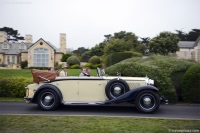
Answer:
x=147 y=101
x=48 y=99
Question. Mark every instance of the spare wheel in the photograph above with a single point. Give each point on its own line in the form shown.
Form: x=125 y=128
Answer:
x=115 y=88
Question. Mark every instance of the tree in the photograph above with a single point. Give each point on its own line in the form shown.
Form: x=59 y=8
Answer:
x=182 y=35
x=193 y=35
x=190 y=36
x=107 y=37
x=124 y=41
x=65 y=57
x=145 y=42
x=164 y=43
x=13 y=35
x=98 y=50
x=117 y=45
x=80 y=51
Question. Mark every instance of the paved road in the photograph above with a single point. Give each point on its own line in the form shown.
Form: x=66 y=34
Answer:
x=165 y=111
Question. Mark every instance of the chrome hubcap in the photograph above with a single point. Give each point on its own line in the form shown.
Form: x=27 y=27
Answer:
x=48 y=99
x=117 y=90
x=147 y=101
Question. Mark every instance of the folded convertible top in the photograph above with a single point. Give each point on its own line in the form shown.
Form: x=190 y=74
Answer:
x=43 y=75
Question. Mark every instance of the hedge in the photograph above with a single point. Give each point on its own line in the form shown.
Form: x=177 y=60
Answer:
x=162 y=69
x=13 y=86
x=40 y=68
x=24 y=64
x=92 y=66
x=191 y=84
x=76 y=66
x=162 y=81
x=114 y=58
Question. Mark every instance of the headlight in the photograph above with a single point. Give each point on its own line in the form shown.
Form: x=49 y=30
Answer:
x=149 y=81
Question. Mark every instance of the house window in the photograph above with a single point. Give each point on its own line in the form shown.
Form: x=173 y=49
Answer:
x=5 y=46
x=13 y=59
x=41 y=57
x=22 y=46
x=8 y=59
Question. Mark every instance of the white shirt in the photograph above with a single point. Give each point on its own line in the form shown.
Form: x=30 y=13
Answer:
x=63 y=74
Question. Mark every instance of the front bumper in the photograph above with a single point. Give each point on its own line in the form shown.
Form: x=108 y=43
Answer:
x=163 y=100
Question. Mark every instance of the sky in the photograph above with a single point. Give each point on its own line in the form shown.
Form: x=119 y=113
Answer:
x=85 y=22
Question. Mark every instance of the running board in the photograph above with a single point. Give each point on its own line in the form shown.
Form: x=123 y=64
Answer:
x=82 y=103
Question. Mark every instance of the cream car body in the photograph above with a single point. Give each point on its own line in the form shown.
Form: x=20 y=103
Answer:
x=95 y=90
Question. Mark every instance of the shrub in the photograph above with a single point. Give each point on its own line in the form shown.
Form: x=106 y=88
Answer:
x=176 y=79
x=13 y=86
x=76 y=66
x=24 y=64
x=72 y=60
x=3 y=65
x=114 y=58
x=97 y=65
x=90 y=65
x=166 y=71
x=40 y=68
x=95 y=60
x=191 y=84
x=137 y=70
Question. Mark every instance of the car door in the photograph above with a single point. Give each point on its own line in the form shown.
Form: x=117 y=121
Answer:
x=91 y=90
x=69 y=89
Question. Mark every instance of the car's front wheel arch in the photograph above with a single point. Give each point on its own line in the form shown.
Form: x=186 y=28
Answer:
x=47 y=86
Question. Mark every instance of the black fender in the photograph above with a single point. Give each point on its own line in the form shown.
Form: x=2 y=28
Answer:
x=47 y=86
x=130 y=95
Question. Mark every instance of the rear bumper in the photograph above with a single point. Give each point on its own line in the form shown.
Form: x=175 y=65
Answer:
x=27 y=100
x=163 y=100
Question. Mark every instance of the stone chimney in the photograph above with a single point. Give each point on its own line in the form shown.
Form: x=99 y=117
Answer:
x=28 y=38
x=63 y=43
x=3 y=36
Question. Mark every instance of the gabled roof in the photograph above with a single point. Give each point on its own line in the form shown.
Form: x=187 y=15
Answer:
x=186 y=44
x=14 y=48
x=42 y=40
x=196 y=42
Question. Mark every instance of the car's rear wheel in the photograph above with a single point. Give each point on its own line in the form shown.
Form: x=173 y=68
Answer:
x=116 y=88
x=147 y=101
x=48 y=99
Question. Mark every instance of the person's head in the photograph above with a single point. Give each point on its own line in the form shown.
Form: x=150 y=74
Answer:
x=50 y=69
x=88 y=70
x=83 y=70
x=64 y=67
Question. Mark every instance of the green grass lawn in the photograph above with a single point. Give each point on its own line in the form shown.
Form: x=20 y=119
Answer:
x=26 y=73
x=76 y=124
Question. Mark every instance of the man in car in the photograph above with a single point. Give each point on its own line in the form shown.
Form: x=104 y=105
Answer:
x=83 y=72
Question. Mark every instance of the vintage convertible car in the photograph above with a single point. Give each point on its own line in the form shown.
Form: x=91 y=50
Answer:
x=50 y=91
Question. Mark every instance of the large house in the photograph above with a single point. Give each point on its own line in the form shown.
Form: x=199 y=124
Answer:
x=38 y=54
x=189 y=50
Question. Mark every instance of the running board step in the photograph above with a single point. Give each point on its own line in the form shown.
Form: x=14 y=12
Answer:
x=82 y=103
